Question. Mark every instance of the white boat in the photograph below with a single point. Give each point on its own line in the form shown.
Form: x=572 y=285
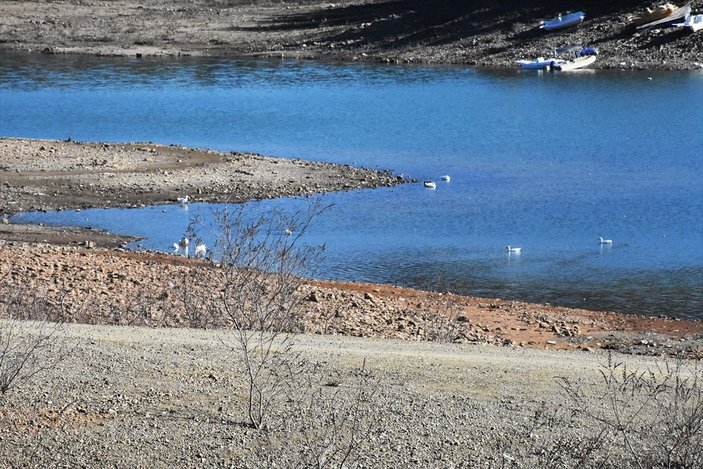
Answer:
x=669 y=20
x=693 y=22
x=563 y=21
x=540 y=63
x=653 y=14
x=575 y=64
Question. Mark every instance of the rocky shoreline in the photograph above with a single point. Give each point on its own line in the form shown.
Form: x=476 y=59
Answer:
x=40 y=175
x=118 y=287
x=482 y=33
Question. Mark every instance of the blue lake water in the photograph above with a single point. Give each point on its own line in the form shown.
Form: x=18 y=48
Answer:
x=547 y=162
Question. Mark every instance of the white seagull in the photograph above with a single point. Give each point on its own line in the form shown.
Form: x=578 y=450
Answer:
x=176 y=248
x=513 y=250
x=200 y=250
x=183 y=200
x=430 y=184
x=604 y=241
x=446 y=178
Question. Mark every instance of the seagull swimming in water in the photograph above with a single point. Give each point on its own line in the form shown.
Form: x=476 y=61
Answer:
x=604 y=241
x=513 y=250
x=183 y=200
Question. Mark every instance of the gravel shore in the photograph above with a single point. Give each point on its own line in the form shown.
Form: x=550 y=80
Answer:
x=56 y=175
x=407 y=31
x=117 y=287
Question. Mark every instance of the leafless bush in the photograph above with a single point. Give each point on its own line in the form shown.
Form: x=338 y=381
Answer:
x=640 y=419
x=22 y=351
x=262 y=261
x=323 y=422
x=25 y=336
x=334 y=419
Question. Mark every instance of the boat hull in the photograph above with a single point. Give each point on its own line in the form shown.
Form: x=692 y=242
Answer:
x=561 y=22
x=575 y=64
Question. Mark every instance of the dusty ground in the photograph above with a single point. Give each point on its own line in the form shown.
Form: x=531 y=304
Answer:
x=399 y=31
x=144 y=397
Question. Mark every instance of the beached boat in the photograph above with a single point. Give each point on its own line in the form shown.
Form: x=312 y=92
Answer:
x=540 y=63
x=563 y=21
x=653 y=14
x=676 y=17
x=575 y=64
x=694 y=23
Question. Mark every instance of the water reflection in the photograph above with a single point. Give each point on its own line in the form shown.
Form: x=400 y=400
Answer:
x=31 y=72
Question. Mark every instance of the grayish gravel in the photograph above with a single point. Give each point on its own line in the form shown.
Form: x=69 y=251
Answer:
x=140 y=397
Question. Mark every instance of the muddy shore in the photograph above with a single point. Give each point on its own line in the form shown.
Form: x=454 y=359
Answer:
x=407 y=31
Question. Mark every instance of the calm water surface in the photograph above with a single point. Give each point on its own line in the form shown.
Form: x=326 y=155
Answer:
x=547 y=162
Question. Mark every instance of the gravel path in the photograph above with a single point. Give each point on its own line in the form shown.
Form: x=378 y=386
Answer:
x=141 y=397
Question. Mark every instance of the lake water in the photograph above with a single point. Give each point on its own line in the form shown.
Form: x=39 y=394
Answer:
x=547 y=162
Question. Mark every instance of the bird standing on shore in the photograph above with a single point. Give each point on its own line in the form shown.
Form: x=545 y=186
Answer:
x=200 y=250
x=183 y=244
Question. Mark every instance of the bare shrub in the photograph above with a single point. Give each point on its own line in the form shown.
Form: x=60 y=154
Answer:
x=26 y=334
x=323 y=422
x=640 y=419
x=262 y=262
x=334 y=420
x=22 y=351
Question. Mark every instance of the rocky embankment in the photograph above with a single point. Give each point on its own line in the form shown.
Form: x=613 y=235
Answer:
x=98 y=286
x=407 y=31
x=56 y=175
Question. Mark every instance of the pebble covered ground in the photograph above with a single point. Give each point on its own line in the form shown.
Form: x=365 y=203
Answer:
x=154 y=397
x=55 y=175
